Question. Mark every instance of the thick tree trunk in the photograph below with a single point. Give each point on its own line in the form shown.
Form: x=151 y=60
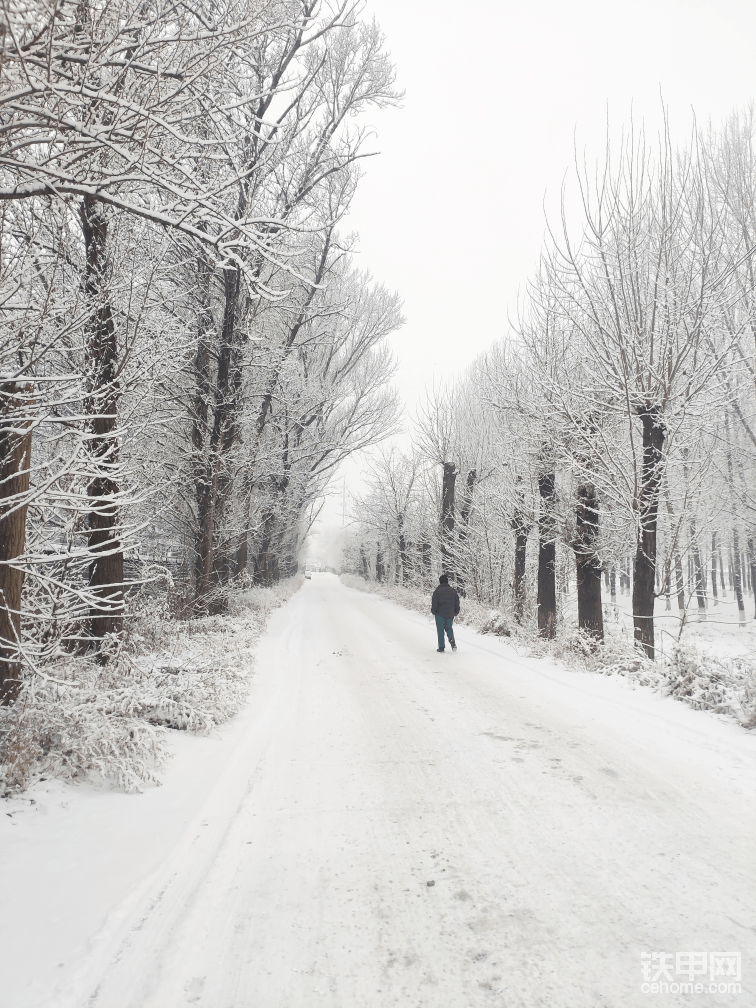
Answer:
x=447 y=514
x=15 y=459
x=241 y=553
x=590 y=614
x=215 y=411
x=547 y=611
x=613 y=583
x=464 y=525
x=205 y=549
x=226 y=427
x=204 y=472
x=380 y=570
x=520 y=526
x=467 y=501
x=106 y=567
x=265 y=565
x=644 y=570
x=403 y=566
x=521 y=529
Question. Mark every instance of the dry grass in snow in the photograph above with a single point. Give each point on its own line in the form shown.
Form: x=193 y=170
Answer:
x=76 y=717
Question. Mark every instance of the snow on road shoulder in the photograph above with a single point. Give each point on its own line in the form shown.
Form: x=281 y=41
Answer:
x=76 y=856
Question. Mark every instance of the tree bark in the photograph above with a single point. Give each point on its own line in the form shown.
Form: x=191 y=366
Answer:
x=214 y=433
x=547 y=611
x=205 y=550
x=226 y=426
x=265 y=567
x=380 y=570
x=403 y=558
x=714 y=590
x=106 y=567
x=205 y=485
x=447 y=514
x=752 y=568
x=464 y=523
x=15 y=459
x=644 y=570
x=521 y=529
x=590 y=614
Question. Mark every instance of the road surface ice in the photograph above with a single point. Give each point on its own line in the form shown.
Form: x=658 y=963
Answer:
x=397 y=827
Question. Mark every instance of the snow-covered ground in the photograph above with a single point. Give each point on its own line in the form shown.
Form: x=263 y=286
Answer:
x=555 y=825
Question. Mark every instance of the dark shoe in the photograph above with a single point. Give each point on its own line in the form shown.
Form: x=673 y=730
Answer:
x=454 y=646
x=439 y=649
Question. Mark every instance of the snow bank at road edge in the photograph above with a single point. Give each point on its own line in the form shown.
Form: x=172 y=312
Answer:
x=81 y=718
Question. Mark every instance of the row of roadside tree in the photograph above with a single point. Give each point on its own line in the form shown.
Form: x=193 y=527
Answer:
x=186 y=348
x=611 y=437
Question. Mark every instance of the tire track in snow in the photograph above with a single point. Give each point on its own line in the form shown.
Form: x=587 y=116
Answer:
x=557 y=846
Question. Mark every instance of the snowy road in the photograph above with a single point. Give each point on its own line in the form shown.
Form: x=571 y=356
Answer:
x=401 y=827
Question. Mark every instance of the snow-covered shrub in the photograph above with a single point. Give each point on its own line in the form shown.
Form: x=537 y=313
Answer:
x=78 y=716
x=82 y=717
x=497 y=624
x=574 y=645
x=264 y=600
x=705 y=682
x=149 y=625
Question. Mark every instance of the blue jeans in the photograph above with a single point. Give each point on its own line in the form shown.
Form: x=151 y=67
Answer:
x=444 y=623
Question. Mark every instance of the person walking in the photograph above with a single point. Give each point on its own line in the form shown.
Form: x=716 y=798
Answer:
x=445 y=606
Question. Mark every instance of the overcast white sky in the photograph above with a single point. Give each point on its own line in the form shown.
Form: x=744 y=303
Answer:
x=451 y=213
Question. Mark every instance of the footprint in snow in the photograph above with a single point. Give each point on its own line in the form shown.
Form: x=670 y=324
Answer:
x=193 y=989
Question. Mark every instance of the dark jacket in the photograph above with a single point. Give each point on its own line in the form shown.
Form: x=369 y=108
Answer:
x=445 y=601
